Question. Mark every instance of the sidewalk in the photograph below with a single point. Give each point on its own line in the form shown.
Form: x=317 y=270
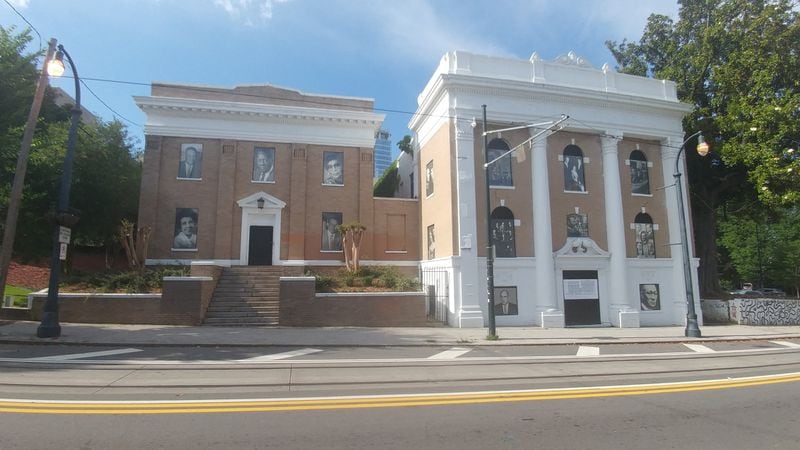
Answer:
x=161 y=335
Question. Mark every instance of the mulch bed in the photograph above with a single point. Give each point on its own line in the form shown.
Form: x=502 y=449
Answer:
x=31 y=277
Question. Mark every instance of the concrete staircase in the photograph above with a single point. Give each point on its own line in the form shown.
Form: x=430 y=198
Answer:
x=246 y=296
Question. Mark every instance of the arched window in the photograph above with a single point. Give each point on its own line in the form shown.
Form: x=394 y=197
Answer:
x=574 y=180
x=640 y=178
x=500 y=170
x=645 y=236
x=503 y=232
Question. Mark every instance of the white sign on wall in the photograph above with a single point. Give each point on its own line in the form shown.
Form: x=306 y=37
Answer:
x=580 y=289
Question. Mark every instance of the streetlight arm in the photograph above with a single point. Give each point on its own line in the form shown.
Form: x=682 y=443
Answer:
x=551 y=126
x=549 y=123
x=74 y=76
x=678 y=158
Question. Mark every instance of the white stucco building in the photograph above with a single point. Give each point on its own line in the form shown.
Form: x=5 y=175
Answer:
x=584 y=219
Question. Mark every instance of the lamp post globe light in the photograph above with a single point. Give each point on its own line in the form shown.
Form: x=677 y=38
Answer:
x=692 y=329
x=49 y=326
x=553 y=125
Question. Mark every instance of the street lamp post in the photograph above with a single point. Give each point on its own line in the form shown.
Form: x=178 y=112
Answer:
x=49 y=327
x=692 y=329
x=550 y=125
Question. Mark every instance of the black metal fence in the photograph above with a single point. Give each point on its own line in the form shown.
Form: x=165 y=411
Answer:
x=436 y=283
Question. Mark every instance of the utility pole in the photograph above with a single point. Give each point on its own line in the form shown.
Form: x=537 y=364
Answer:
x=15 y=197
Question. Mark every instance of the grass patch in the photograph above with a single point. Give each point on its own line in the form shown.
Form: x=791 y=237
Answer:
x=19 y=296
x=367 y=279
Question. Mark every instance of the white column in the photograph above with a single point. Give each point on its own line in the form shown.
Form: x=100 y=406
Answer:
x=669 y=151
x=622 y=314
x=468 y=307
x=546 y=302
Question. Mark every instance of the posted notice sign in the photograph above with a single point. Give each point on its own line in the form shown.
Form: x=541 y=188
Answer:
x=62 y=254
x=64 y=235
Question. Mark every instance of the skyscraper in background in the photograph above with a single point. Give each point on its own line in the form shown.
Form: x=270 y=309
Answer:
x=383 y=151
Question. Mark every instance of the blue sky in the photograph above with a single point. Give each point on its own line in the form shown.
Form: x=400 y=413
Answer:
x=382 y=49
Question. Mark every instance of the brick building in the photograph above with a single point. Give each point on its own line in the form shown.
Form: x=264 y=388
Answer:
x=252 y=175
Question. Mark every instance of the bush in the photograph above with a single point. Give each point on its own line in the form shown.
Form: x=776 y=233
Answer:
x=131 y=281
x=379 y=277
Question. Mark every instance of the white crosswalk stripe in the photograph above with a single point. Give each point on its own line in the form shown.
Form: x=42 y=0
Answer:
x=699 y=348
x=453 y=353
x=284 y=355
x=121 y=351
x=585 y=350
x=786 y=344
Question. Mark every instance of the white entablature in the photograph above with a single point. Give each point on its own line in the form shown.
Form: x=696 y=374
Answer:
x=215 y=119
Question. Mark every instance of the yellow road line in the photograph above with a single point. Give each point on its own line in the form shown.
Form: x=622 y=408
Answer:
x=189 y=407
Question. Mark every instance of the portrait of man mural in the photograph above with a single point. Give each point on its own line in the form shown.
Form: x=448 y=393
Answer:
x=429 y=179
x=331 y=238
x=185 y=229
x=505 y=301
x=264 y=165
x=500 y=171
x=649 y=297
x=332 y=171
x=191 y=161
x=645 y=240
x=573 y=174
x=431 y=242
x=640 y=178
x=577 y=225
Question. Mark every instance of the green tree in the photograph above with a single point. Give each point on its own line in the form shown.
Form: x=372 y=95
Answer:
x=106 y=173
x=736 y=62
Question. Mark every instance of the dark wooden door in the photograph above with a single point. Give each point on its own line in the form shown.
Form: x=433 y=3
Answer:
x=260 y=246
x=586 y=310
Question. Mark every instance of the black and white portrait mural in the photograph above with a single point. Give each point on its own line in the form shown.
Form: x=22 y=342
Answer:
x=649 y=297
x=331 y=238
x=505 y=301
x=500 y=170
x=431 y=242
x=577 y=225
x=264 y=165
x=503 y=232
x=574 y=178
x=429 y=179
x=645 y=240
x=185 y=229
x=191 y=161
x=333 y=168
x=640 y=177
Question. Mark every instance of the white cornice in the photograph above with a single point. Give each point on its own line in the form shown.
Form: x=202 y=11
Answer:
x=167 y=116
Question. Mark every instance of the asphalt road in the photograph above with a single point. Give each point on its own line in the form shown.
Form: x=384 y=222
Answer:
x=762 y=416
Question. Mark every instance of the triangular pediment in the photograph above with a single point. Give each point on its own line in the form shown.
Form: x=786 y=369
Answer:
x=270 y=202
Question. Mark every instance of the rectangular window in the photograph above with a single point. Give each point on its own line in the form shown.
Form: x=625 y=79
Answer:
x=331 y=238
x=396 y=233
x=645 y=240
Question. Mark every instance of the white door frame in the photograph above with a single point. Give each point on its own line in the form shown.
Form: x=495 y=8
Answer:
x=267 y=215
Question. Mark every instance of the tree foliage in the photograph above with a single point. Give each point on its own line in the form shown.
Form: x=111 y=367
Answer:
x=106 y=173
x=736 y=62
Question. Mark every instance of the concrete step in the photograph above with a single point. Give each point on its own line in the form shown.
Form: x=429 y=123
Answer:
x=242 y=315
x=240 y=323
x=243 y=299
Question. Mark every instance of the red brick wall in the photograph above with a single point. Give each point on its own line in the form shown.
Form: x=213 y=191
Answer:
x=300 y=306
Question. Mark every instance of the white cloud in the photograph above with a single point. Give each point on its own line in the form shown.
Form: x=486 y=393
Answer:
x=21 y=4
x=246 y=10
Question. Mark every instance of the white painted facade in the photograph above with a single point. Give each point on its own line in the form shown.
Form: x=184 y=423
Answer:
x=600 y=102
